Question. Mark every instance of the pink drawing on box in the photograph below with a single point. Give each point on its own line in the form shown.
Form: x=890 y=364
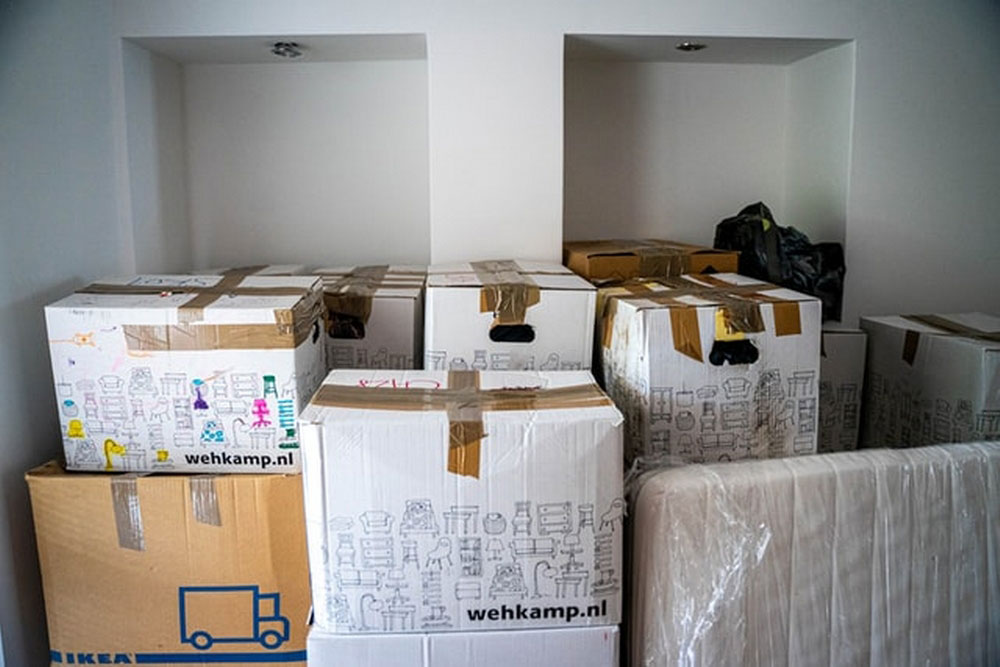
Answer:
x=261 y=412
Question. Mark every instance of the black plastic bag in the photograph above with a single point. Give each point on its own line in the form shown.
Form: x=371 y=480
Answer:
x=785 y=256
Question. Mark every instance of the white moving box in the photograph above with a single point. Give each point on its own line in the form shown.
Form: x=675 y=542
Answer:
x=508 y=315
x=462 y=501
x=186 y=373
x=376 y=316
x=931 y=379
x=873 y=557
x=578 y=647
x=258 y=270
x=841 y=381
x=714 y=368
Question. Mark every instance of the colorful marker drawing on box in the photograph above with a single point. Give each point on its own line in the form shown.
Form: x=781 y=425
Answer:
x=75 y=429
x=79 y=339
x=199 y=402
x=110 y=448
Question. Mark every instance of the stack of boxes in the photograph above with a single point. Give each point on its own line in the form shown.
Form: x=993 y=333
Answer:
x=469 y=513
x=193 y=374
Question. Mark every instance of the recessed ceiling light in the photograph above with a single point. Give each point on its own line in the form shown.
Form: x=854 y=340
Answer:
x=286 y=49
x=691 y=46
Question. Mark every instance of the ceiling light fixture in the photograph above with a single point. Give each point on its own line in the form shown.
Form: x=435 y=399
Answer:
x=691 y=46
x=286 y=50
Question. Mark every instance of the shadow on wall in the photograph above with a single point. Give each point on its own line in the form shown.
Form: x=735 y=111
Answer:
x=31 y=437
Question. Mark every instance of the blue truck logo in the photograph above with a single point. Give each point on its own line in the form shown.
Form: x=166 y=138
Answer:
x=231 y=614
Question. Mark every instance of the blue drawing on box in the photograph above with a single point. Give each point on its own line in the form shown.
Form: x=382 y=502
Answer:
x=212 y=432
x=202 y=626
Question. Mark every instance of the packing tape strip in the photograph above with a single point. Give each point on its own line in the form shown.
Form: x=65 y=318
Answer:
x=506 y=292
x=353 y=293
x=204 y=499
x=464 y=404
x=945 y=327
x=128 y=516
x=465 y=426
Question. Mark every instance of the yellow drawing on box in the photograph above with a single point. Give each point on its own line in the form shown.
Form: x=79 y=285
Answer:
x=723 y=330
x=79 y=339
x=111 y=447
x=75 y=429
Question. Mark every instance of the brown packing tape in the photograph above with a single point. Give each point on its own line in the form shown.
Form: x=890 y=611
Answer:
x=945 y=327
x=290 y=329
x=911 y=342
x=464 y=404
x=352 y=294
x=465 y=427
x=128 y=515
x=506 y=292
x=663 y=261
x=243 y=271
x=685 y=331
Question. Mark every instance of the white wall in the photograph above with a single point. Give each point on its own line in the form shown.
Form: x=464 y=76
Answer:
x=320 y=163
x=818 y=104
x=59 y=226
x=668 y=150
x=157 y=165
x=924 y=156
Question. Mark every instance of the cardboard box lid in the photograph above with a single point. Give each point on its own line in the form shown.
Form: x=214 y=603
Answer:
x=218 y=299
x=116 y=551
x=460 y=397
x=978 y=329
x=397 y=394
x=177 y=312
x=542 y=275
x=383 y=281
x=257 y=270
x=624 y=259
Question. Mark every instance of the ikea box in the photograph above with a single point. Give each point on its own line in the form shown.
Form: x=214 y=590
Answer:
x=580 y=647
x=714 y=368
x=644 y=258
x=171 y=569
x=375 y=316
x=462 y=501
x=186 y=373
x=931 y=379
x=508 y=315
x=841 y=379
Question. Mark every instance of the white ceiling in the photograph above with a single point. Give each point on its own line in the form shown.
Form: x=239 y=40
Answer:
x=661 y=48
x=257 y=49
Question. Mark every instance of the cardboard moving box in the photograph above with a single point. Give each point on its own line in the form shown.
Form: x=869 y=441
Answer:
x=714 y=368
x=462 y=501
x=645 y=258
x=508 y=315
x=931 y=379
x=258 y=270
x=171 y=568
x=376 y=316
x=841 y=380
x=186 y=373
x=578 y=647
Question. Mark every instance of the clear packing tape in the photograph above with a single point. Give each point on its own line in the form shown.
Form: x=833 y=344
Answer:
x=881 y=557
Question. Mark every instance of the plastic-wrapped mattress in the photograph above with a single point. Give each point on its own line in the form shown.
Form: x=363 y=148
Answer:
x=880 y=557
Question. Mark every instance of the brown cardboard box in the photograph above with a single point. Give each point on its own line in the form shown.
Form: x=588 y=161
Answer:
x=645 y=258
x=171 y=568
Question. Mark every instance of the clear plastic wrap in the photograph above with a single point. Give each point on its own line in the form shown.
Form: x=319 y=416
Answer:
x=881 y=557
